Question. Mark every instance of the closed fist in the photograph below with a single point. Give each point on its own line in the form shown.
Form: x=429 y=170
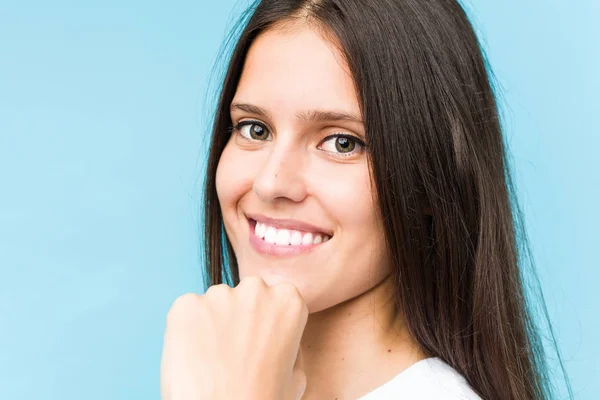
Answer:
x=235 y=343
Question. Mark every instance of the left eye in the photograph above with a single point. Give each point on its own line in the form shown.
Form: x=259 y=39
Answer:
x=343 y=144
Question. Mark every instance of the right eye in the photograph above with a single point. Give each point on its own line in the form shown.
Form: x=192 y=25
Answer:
x=252 y=130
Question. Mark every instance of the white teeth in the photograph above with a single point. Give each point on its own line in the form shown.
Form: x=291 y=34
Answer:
x=262 y=231
x=271 y=235
x=286 y=237
x=307 y=239
x=296 y=238
x=283 y=237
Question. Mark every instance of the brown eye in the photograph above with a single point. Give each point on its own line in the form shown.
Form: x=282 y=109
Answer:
x=342 y=145
x=253 y=130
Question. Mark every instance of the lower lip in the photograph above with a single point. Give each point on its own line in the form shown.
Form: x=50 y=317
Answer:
x=272 y=249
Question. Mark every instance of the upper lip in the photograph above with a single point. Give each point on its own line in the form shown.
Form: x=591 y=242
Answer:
x=291 y=224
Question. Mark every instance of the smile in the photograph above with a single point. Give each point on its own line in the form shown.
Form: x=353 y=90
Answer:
x=286 y=237
x=269 y=238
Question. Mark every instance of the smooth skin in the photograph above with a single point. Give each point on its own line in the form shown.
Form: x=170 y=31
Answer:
x=351 y=340
x=240 y=343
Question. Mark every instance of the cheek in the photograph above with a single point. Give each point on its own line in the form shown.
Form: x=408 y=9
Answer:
x=347 y=194
x=233 y=180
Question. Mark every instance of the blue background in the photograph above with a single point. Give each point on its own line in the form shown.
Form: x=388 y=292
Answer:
x=103 y=129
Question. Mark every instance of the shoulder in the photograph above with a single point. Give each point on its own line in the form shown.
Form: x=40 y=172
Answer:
x=428 y=379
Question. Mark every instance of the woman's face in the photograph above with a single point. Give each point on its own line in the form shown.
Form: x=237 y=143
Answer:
x=293 y=181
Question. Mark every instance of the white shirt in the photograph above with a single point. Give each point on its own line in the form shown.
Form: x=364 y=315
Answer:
x=428 y=379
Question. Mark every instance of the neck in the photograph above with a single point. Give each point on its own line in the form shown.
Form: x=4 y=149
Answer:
x=356 y=346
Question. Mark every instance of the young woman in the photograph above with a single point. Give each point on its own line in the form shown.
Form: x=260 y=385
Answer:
x=359 y=212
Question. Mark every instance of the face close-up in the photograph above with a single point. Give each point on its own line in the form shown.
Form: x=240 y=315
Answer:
x=297 y=199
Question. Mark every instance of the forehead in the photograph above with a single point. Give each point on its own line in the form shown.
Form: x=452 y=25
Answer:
x=294 y=69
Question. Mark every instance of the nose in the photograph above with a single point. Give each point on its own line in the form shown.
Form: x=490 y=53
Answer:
x=280 y=176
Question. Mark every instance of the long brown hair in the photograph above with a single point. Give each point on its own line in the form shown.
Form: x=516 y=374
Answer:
x=443 y=184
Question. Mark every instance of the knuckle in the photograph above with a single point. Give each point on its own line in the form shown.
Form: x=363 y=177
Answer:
x=253 y=280
x=251 y=293
x=217 y=290
x=286 y=290
x=253 y=284
x=291 y=296
x=182 y=306
x=217 y=294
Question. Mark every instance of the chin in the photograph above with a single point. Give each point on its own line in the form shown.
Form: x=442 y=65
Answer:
x=272 y=279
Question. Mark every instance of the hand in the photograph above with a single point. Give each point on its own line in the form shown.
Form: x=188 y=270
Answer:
x=235 y=343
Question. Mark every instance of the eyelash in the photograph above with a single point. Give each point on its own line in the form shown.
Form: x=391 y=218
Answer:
x=362 y=144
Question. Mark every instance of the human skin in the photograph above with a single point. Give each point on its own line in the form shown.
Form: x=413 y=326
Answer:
x=353 y=340
x=234 y=344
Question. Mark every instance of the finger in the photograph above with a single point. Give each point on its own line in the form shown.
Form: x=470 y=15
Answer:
x=299 y=364
x=299 y=376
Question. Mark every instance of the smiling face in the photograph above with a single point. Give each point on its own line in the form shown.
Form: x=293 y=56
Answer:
x=293 y=181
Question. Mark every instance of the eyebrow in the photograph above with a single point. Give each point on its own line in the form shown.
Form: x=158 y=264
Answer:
x=306 y=116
